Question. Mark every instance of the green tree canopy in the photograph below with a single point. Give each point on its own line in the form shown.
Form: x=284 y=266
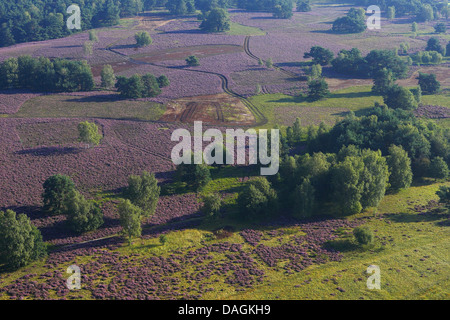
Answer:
x=56 y=190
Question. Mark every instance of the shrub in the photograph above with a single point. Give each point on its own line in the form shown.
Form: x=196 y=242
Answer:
x=320 y=55
x=192 y=61
x=143 y=39
x=363 y=235
x=212 y=204
x=56 y=190
x=398 y=97
x=82 y=215
x=428 y=83
x=441 y=27
x=317 y=89
x=88 y=133
x=143 y=191
x=108 y=77
x=163 y=81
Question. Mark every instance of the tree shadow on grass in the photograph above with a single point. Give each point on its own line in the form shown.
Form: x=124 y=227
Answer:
x=412 y=217
x=112 y=97
x=341 y=245
x=350 y=95
x=50 y=151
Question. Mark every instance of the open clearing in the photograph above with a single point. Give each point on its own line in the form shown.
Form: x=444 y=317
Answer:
x=221 y=109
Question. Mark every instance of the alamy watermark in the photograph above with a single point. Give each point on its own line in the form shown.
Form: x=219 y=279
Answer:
x=374 y=21
x=374 y=281
x=74 y=21
x=258 y=146
x=74 y=281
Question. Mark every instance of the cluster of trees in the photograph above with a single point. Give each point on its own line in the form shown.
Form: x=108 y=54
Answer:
x=20 y=241
x=281 y=9
x=423 y=140
x=141 y=86
x=434 y=53
x=421 y=10
x=44 y=75
x=303 y=6
x=353 y=22
x=196 y=176
x=183 y=7
x=29 y=20
x=215 y=20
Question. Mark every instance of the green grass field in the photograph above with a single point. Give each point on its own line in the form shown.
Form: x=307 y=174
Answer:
x=107 y=107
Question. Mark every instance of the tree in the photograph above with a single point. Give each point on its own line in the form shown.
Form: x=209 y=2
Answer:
x=192 y=61
x=283 y=10
x=163 y=81
x=108 y=77
x=93 y=36
x=391 y=13
x=316 y=72
x=151 y=86
x=88 y=133
x=425 y=13
x=444 y=194
x=414 y=27
x=82 y=215
x=9 y=73
x=428 y=83
x=349 y=25
x=202 y=176
x=363 y=235
x=216 y=20
x=438 y=168
x=258 y=199
x=303 y=6
x=130 y=87
x=433 y=44
x=378 y=59
x=399 y=165
x=346 y=185
x=447 y=49
x=320 y=55
x=180 y=7
x=384 y=79
x=143 y=191
x=304 y=199
x=87 y=48
x=130 y=220
x=56 y=190
x=212 y=204
x=143 y=39
x=398 y=97
x=269 y=63
x=20 y=241
x=374 y=178
x=441 y=27
x=317 y=89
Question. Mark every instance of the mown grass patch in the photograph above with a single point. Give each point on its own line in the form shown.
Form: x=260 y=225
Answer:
x=237 y=29
x=102 y=106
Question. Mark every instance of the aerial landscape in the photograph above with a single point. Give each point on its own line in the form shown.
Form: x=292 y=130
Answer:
x=98 y=98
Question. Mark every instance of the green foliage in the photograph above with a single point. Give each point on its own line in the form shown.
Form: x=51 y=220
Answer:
x=440 y=27
x=444 y=194
x=41 y=74
x=364 y=235
x=56 y=190
x=391 y=13
x=320 y=55
x=258 y=199
x=438 y=168
x=383 y=80
x=108 y=77
x=304 y=199
x=414 y=27
x=353 y=22
x=20 y=241
x=93 y=36
x=425 y=13
x=379 y=59
x=316 y=72
x=433 y=44
x=283 y=10
x=399 y=167
x=88 y=133
x=269 y=63
x=180 y=7
x=428 y=83
x=143 y=39
x=216 y=20
x=82 y=215
x=143 y=191
x=350 y=62
x=138 y=86
x=426 y=57
x=212 y=204
x=398 y=97
x=192 y=61
x=196 y=176
x=163 y=81
x=130 y=219
x=87 y=48
x=317 y=89
x=163 y=239
x=417 y=93
x=303 y=6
